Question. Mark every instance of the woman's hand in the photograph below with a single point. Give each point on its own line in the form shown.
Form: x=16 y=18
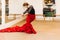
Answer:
x=22 y=15
x=26 y=14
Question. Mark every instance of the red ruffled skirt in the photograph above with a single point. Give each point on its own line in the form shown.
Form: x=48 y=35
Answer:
x=27 y=27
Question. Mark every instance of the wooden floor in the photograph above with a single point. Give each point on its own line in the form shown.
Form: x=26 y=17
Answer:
x=8 y=20
x=47 y=30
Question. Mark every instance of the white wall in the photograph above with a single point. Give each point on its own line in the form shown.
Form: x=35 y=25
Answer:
x=57 y=7
x=15 y=6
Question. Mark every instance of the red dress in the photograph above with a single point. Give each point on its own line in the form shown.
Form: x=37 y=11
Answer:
x=27 y=27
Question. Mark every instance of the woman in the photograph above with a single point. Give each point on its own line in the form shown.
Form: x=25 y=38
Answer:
x=27 y=27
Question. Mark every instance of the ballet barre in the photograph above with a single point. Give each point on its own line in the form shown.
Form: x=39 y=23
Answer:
x=46 y=17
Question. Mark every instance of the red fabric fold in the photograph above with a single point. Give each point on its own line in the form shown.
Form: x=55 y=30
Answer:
x=27 y=27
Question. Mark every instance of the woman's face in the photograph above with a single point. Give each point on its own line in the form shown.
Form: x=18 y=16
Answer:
x=26 y=6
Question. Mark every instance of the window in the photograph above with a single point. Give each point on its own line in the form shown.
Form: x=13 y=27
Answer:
x=49 y=9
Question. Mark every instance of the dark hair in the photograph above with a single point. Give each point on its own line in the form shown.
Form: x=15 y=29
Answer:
x=25 y=4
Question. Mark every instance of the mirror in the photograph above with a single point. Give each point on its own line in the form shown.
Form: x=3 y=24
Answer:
x=9 y=17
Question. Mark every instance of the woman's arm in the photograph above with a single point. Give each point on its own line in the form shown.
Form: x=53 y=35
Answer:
x=28 y=10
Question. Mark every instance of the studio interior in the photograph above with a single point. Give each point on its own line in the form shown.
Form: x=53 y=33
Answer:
x=46 y=23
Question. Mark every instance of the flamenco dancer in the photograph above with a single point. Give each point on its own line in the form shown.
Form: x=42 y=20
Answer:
x=27 y=27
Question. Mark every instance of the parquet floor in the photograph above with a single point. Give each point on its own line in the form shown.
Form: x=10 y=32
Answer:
x=47 y=30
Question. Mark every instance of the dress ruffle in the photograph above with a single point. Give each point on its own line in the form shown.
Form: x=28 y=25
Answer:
x=27 y=28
